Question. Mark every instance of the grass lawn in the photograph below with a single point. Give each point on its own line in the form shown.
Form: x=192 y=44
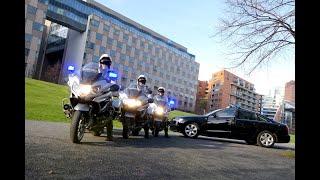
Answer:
x=292 y=138
x=44 y=102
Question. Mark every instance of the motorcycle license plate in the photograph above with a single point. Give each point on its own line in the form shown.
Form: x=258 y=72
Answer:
x=129 y=114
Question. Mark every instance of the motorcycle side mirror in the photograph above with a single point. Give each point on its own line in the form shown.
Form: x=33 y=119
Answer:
x=150 y=100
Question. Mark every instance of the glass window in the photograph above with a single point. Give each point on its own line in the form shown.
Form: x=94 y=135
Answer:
x=44 y=1
x=102 y=50
x=26 y=51
x=247 y=115
x=113 y=53
x=106 y=28
x=31 y=9
x=263 y=118
x=60 y=11
x=95 y=59
x=95 y=23
x=229 y=112
x=28 y=37
x=99 y=36
x=37 y=26
x=90 y=45
x=110 y=41
x=119 y=44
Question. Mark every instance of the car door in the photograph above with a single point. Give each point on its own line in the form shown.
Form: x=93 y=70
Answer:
x=219 y=123
x=245 y=124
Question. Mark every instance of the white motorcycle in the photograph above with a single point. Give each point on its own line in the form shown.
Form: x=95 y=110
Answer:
x=94 y=97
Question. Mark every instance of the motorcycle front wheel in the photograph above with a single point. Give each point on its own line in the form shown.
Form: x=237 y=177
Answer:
x=125 y=128
x=77 y=127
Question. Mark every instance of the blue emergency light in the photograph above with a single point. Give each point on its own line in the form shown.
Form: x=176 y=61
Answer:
x=71 y=68
x=113 y=75
x=171 y=102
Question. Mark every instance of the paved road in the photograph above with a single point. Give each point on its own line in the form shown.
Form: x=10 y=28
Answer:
x=49 y=154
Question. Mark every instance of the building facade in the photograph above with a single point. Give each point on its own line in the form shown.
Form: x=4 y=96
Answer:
x=227 y=89
x=269 y=106
x=94 y=29
x=202 y=97
x=289 y=94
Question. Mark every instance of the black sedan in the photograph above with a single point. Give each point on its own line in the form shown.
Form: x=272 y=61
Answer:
x=235 y=123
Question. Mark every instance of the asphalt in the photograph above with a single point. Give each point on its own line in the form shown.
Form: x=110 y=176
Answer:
x=49 y=154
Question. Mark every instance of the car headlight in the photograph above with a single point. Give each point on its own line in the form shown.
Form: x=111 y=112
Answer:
x=180 y=120
x=84 y=89
x=159 y=110
x=132 y=102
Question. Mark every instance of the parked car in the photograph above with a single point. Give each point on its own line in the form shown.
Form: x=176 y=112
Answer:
x=235 y=123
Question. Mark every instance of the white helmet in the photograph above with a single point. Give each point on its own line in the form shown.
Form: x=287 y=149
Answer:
x=161 y=89
x=142 y=78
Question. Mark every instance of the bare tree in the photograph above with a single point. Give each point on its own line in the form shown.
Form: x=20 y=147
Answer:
x=258 y=29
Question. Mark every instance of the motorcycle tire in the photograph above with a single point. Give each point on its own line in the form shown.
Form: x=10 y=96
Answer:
x=156 y=129
x=75 y=135
x=125 y=129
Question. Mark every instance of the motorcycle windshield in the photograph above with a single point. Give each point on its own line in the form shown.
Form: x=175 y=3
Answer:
x=160 y=101
x=132 y=92
x=89 y=73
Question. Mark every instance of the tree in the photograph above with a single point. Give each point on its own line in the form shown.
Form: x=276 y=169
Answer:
x=258 y=29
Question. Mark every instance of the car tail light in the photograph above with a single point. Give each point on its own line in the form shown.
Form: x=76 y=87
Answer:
x=287 y=129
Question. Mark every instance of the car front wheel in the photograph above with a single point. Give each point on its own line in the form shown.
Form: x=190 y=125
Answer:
x=266 y=139
x=191 y=130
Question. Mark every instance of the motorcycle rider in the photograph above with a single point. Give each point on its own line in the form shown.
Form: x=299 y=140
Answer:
x=105 y=62
x=160 y=95
x=141 y=86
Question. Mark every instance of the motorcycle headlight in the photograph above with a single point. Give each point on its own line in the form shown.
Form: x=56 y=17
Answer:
x=84 y=89
x=159 y=111
x=132 y=102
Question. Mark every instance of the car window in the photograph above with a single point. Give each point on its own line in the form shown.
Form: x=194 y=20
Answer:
x=247 y=115
x=263 y=118
x=229 y=112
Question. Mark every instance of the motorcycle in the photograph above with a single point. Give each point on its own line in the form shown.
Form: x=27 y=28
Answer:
x=158 y=114
x=134 y=104
x=92 y=98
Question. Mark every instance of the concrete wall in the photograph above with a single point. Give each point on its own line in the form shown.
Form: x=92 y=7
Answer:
x=73 y=53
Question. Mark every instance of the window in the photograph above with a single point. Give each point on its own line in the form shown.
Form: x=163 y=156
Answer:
x=95 y=59
x=106 y=28
x=102 y=50
x=90 y=45
x=110 y=41
x=247 y=115
x=99 y=36
x=113 y=53
x=37 y=26
x=26 y=51
x=229 y=112
x=95 y=23
x=119 y=44
x=263 y=118
x=44 y=1
x=31 y=9
x=116 y=32
x=28 y=37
